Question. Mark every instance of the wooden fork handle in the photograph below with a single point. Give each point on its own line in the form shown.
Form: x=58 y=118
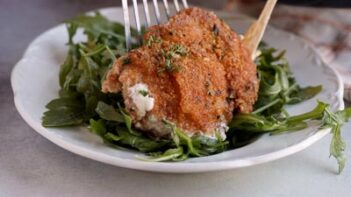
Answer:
x=254 y=34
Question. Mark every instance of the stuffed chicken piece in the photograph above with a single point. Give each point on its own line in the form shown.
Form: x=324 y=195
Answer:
x=192 y=71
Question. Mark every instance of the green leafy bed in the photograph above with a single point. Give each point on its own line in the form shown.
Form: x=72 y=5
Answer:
x=81 y=103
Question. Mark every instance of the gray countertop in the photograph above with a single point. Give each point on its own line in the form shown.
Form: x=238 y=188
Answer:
x=30 y=165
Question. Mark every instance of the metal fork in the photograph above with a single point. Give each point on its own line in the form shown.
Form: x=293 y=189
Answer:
x=147 y=15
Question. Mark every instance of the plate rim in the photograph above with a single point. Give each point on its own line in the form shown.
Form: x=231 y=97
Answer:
x=170 y=167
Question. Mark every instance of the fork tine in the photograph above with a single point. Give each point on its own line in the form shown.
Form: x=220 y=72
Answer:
x=168 y=13
x=157 y=12
x=185 y=3
x=136 y=18
x=126 y=24
x=147 y=13
x=176 y=5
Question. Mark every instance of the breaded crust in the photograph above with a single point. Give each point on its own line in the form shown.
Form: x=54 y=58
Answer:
x=201 y=87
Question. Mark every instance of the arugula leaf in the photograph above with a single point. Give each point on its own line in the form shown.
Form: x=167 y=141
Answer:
x=337 y=145
x=140 y=143
x=301 y=94
x=208 y=146
x=266 y=124
x=84 y=68
x=195 y=146
x=68 y=65
x=128 y=121
x=111 y=138
x=108 y=112
x=172 y=154
x=277 y=84
x=63 y=112
x=63 y=117
x=182 y=139
x=98 y=127
x=99 y=29
x=119 y=136
x=64 y=103
x=278 y=87
x=252 y=123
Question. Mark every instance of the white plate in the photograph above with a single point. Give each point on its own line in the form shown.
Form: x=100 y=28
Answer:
x=35 y=83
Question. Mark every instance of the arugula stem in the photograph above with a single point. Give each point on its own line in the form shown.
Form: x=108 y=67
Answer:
x=97 y=51
x=292 y=87
x=259 y=110
x=276 y=101
x=316 y=113
x=113 y=57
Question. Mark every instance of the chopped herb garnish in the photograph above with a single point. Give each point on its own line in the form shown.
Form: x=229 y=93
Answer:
x=174 y=52
x=143 y=92
x=177 y=49
x=152 y=39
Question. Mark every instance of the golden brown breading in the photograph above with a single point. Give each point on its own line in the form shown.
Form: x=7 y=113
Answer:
x=195 y=68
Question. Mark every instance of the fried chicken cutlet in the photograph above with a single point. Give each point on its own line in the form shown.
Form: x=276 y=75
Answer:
x=192 y=71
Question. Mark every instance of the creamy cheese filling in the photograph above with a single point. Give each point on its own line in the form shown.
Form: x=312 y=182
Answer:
x=221 y=130
x=140 y=95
